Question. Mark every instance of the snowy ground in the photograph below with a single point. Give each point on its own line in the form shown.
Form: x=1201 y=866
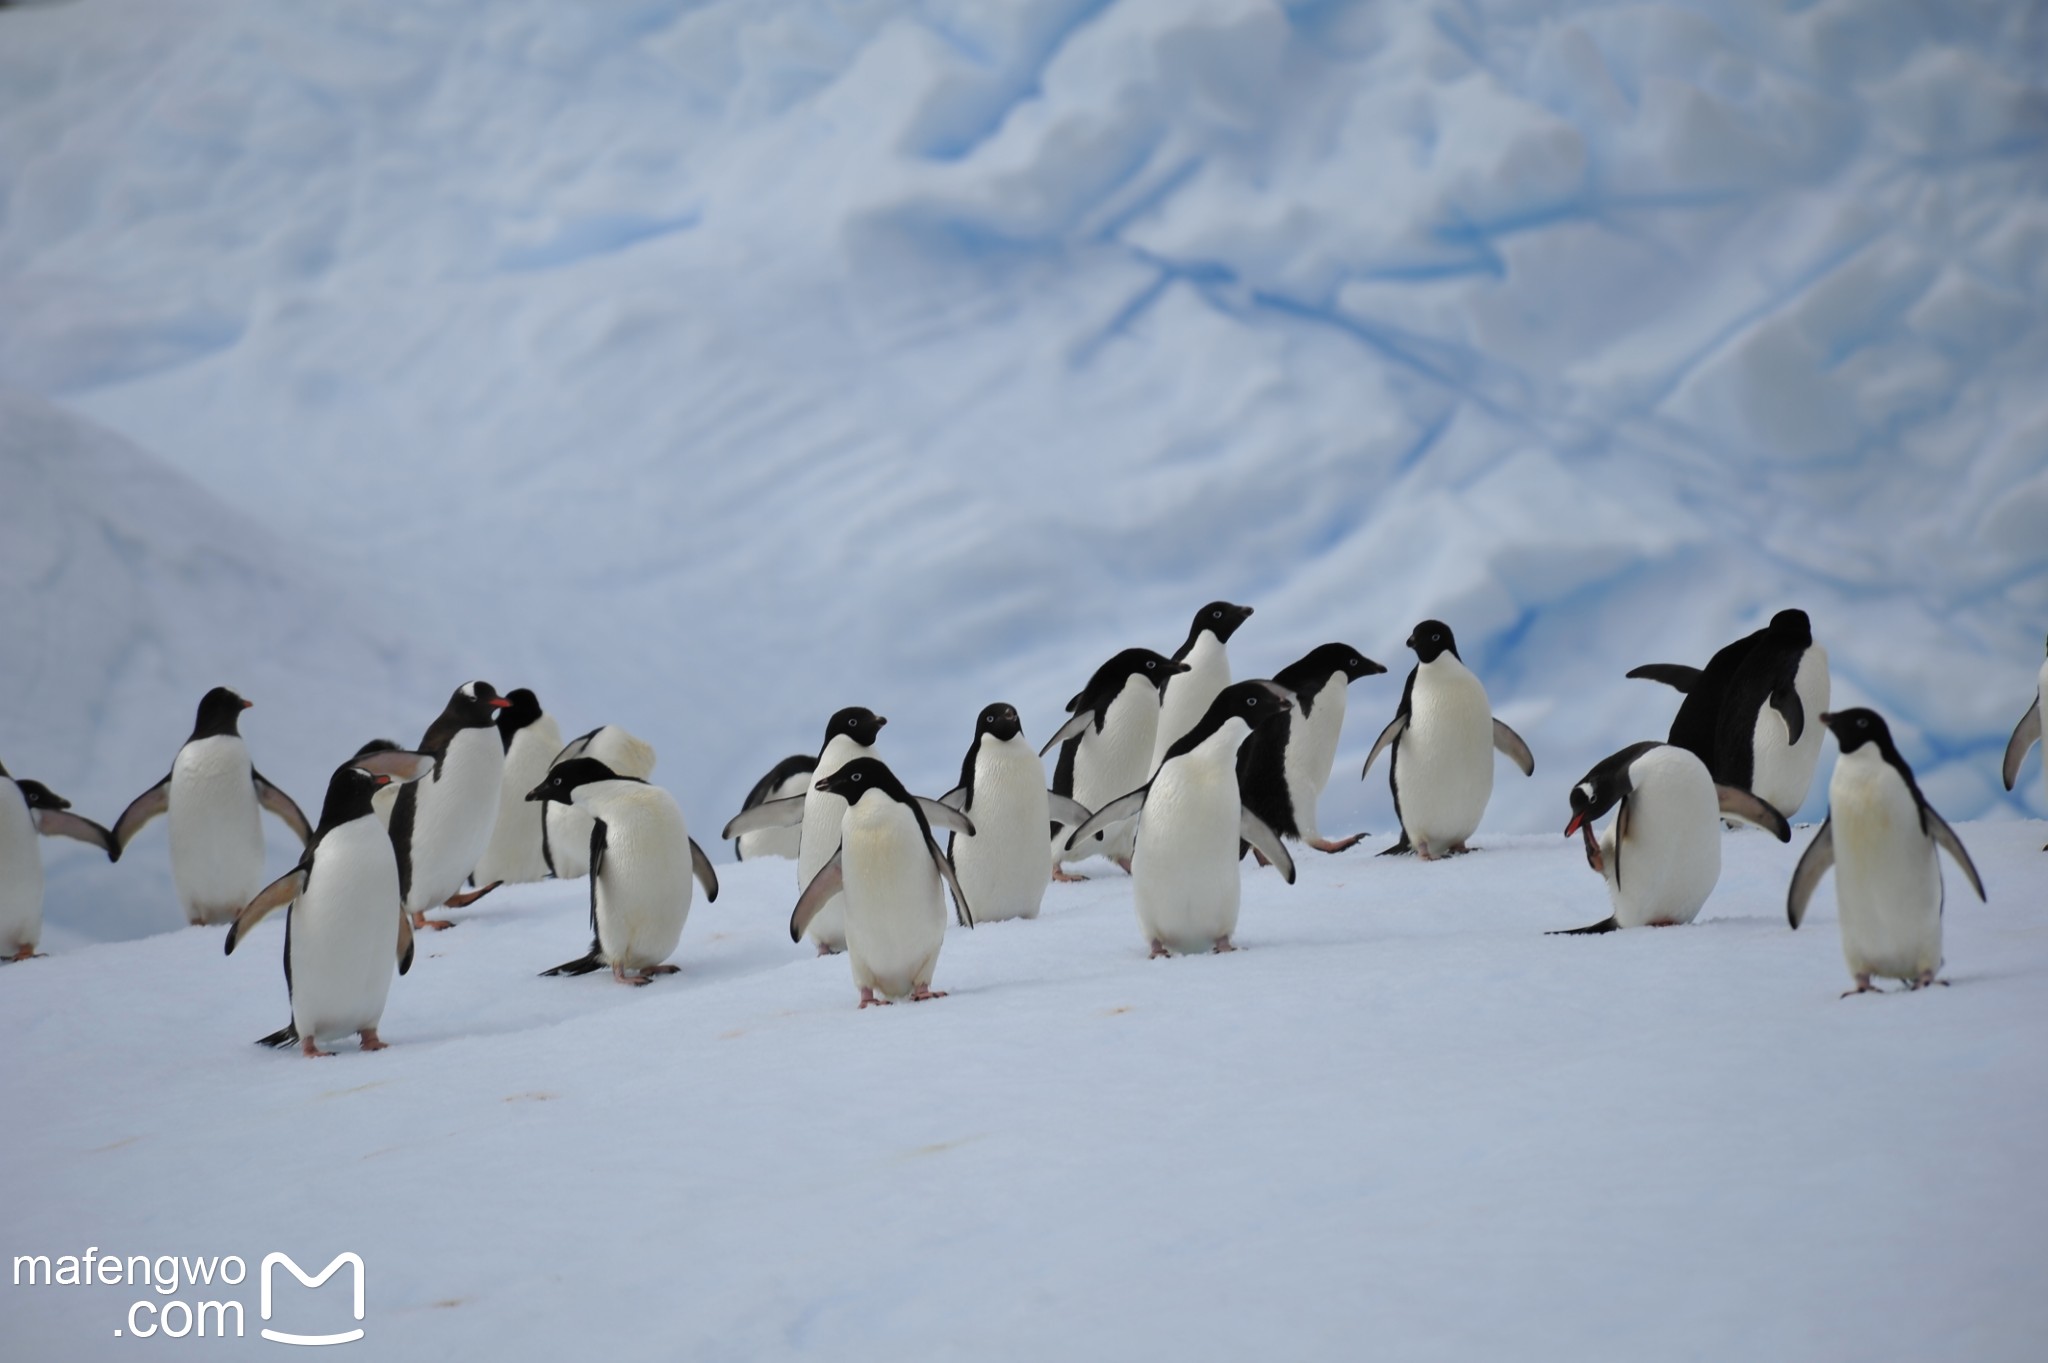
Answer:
x=1401 y=1123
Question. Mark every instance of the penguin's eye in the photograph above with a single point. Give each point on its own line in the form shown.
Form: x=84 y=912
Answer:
x=1251 y=700
x=1436 y=638
x=1148 y=666
x=856 y=778
x=1215 y=615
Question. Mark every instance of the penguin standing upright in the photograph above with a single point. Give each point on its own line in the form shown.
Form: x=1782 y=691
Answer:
x=1283 y=767
x=1002 y=865
x=441 y=824
x=1207 y=671
x=1443 y=737
x=787 y=778
x=212 y=794
x=1191 y=819
x=531 y=738
x=565 y=829
x=1106 y=747
x=1880 y=837
x=2026 y=734
x=28 y=808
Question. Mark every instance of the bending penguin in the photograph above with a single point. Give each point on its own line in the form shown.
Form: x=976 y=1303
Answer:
x=441 y=825
x=2026 y=734
x=212 y=794
x=565 y=829
x=1106 y=747
x=1184 y=873
x=29 y=808
x=345 y=927
x=1205 y=671
x=1880 y=837
x=791 y=776
x=1284 y=766
x=1002 y=865
x=1443 y=737
x=531 y=738
x=386 y=795
x=642 y=860
x=1666 y=831
x=887 y=872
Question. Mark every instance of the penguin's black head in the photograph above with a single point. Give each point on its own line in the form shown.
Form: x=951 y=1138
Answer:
x=1110 y=678
x=1431 y=640
x=858 y=777
x=351 y=793
x=1854 y=728
x=1328 y=659
x=522 y=708
x=1000 y=722
x=475 y=704
x=1605 y=786
x=1220 y=618
x=1254 y=702
x=1792 y=628
x=39 y=796
x=561 y=781
x=377 y=745
x=862 y=726
x=220 y=712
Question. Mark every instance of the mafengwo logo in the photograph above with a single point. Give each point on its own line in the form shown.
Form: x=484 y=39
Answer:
x=169 y=1315
x=348 y=1260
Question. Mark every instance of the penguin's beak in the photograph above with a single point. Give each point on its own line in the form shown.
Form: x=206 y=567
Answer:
x=828 y=784
x=248 y=705
x=881 y=720
x=1578 y=818
x=1183 y=667
x=500 y=703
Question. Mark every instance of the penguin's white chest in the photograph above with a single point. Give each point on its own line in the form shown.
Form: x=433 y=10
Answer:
x=823 y=816
x=1887 y=880
x=1002 y=867
x=1188 y=695
x=21 y=872
x=1444 y=758
x=644 y=887
x=2041 y=699
x=1670 y=861
x=344 y=932
x=1116 y=761
x=453 y=816
x=1782 y=771
x=895 y=909
x=1184 y=873
x=1312 y=752
x=513 y=854
x=216 y=835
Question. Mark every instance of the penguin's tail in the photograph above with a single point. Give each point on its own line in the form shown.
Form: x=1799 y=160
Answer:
x=287 y=1035
x=1399 y=849
x=1606 y=924
x=582 y=965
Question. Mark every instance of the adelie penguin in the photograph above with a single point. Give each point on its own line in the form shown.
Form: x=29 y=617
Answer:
x=1106 y=748
x=1443 y=738
x=1284 y=766
x=515 y=854
x=888 y=871
x=2026 y=734
x=1880 y=837
x=345 y=929
x=1205 y=659
x=565 y=829
x=27 y=809
x=212 y=794
x=1661 y=854
x=441 y=825
x=1002 y=791
x=790 y=777
x=1184 y=874
x=642 y=861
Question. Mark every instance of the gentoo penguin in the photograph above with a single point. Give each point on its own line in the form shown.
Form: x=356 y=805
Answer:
x=565 y=829
x=1106 y=747
x=1283 y=767
x=1745 y=714
x=642 y=858
x=1667 y=829
x=442 y=823
x=1443 y=738
x=1002 y=790
x=1880 y=837
x=789 y=777
x=212 y=794
x=344 y=926
x=2027 y=733
x=1207 y=671
x=849 y=734
x=1184 y=873
x=26 y=809
x=886 y=871
x=531 y=738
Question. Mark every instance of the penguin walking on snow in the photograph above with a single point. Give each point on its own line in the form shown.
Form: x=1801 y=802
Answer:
x=565 y=828
x=441 y=825
x=1002 y=865
x=1666 y=832
x=530 y=738
x=1443 y=737
x=642 y=861
x=1184 y=874
x=789 y=777
x=1106 y=748
x=29 y=808
x=1205 y=656
x=887 y=870
x=1880 y=837
x=345 y=927
x=1285 y=764
x=212 y=794
x=2026 y=734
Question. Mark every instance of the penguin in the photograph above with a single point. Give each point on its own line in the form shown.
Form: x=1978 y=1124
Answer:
x=531 y=738
x=1880 y=837
x=1002 y=791
x=386 y=795
x=441 y=825
x=849 y=734
x=28 y=808
x=1745 y=714
x=1106 y=746
x=1667 y=827
x=791 y=776
x=2026 y=734
x=886 y=871
x=345 y=925
x=1207 y=671
x=642 y=859
x=212 y=794
x=565 y=829
x=1283 y=767
x=1191 y=819
x=1443 y=737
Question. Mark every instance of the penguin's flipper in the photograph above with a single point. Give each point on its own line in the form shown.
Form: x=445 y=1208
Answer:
x=1073 y=728
x=1384 y=741
x=1946 y=836
x=1256 y=831
x=396 y=763
x=700 y=866
x=282 y=805
x=1606 y=924
x=1115 y=812
x=1785 y=700
x=1511 y=745
x=956 y=798
x=275 y=895
x=830 y=880
x=58 y=823
x=945 y=816
x=140 y=810
x=1813 y=864
x=404 y=940
x=1740 y=804
x=1677 y=676
x=2025 y=735
x=944 y=863
x=784 y=813
x=575 y=747
x=1621 y=823
x=287 y=1035
x=1067 y=810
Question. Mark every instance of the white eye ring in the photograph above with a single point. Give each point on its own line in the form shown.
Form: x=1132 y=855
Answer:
x=856 y=778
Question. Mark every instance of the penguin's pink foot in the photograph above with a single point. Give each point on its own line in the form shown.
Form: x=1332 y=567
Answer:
x=925 y=991
x=1066 y=877
x=1928 y=978
x=1123 y=864
x=1458 y=849
x=26 y=952
x=371 y=1041
x=867 y=997
x=1158 y=948
x=463 y=901
x=1863 y=986
x=664 y=969
x=824 y=950
x=1222 y=945
x=619 y=974
x=420 y=921
x=1325 y=845
x=308 y=1048
x=1260 y=857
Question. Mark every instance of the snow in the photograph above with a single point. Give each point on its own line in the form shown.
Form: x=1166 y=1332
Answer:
x=1399 y=1114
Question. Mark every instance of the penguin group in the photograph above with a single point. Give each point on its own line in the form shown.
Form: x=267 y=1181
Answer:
x=1166 y=768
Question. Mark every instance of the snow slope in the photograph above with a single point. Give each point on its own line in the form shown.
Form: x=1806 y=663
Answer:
x=1401 y=1122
